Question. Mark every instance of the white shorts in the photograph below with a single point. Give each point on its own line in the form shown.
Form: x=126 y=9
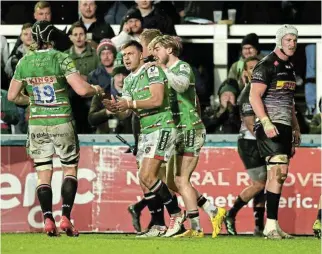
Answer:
x=159 y=145
x=45 y=141
x=189 y=143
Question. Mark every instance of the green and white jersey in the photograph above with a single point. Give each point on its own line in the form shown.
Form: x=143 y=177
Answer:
x=137 y=87
x=185 y=104
x=43 y=73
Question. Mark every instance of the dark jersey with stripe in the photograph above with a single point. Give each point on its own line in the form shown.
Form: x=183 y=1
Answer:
x=279 y=77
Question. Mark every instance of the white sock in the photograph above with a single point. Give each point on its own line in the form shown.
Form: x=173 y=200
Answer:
x=195 y=223
x=210 y=209
x=270 y=225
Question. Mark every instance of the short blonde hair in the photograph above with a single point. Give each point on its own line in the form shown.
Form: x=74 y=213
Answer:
x=41 y=5
x=168 y=41
x=149 y=34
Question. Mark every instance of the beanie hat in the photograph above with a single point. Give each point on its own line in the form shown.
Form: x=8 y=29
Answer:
x=282 y=31
x=133 y=14
x=229 y=85
x=106 y=44
x=251 y=39
x=119 y=66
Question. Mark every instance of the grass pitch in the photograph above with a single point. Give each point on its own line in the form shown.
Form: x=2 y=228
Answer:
x=128 y=244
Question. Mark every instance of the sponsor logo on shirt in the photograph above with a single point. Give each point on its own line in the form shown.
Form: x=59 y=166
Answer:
x=41 y=80
x=257 y=76
x=153 y=72
x=290 y=85
x=184 y=67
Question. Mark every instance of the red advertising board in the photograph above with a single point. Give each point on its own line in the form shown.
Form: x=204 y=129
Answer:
x=108 y=183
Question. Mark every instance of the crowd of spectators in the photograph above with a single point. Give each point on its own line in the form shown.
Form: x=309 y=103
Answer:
x=94 y=46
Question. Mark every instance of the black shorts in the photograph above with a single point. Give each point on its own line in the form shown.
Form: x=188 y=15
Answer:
x=281 y=144
x=249 y=153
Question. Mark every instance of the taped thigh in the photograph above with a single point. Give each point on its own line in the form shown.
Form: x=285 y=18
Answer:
x=43 y=164
x=276 y=161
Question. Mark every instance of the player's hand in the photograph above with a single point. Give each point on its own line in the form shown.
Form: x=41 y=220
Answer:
x=127 y=28
x=296 y=137
x=269 y=128
x=123 y=104
x=110 y=105
x=99 y=90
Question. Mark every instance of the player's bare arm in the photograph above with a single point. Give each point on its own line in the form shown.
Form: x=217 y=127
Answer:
x=156 y=99
x=15 y=95
x=296 y=128
x=255 y=98
x=81 y=87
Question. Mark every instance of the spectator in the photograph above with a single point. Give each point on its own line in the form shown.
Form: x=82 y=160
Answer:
x=131 y=28
x=103 y=73
x=86 y=60
x=4 y=50
x=96 y=29
x=153 y=17
x=42 y=11
x=81 y=52
x=26 y=38
x=315 y=125
x=310 y=84
x=99 y=116
x=226 y=119
x=9 y=113
x=4 y=59
x=250 y=48
x=116 y=12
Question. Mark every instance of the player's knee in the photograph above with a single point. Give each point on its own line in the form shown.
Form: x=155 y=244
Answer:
x=181 y=182
x=258 y=186
x=44 y=164
x=278 y=167
x=70 y=162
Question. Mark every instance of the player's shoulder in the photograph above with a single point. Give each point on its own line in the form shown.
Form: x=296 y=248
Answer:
x=267 y=61
x=154 y=71
x=184 y=66
x=61 y=56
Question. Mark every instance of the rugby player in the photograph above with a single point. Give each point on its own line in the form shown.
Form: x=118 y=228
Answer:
x=253 y=162
x=277 y=132
x=190 y=129
x=46 y=73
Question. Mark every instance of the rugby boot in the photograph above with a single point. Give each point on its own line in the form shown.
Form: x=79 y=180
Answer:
x=217 y=221
x=272 y=234
x=154 y=231
x=230 y=225
x=67 y=226
x=190 y=233
x=135 y=218
x=50 y=228
x=317 y=229
x=283 y=234
x=176 y=222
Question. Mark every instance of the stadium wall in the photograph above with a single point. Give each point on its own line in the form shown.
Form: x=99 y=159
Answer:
x=108 y=183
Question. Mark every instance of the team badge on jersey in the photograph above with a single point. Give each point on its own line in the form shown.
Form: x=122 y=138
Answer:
x=184 y=67
x=142 y=76
x=153 y=71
